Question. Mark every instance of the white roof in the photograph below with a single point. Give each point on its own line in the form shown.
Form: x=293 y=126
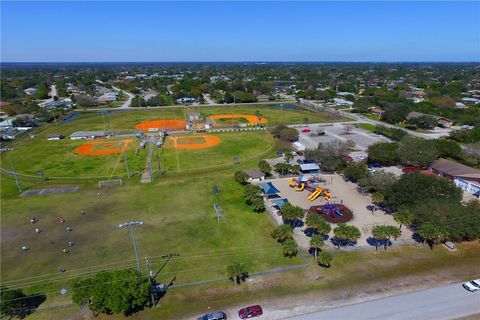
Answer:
x=309 y=167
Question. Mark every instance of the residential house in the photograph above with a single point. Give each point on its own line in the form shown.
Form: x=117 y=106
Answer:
x=441 y=121
x=31 y=91
x=464 y=177
x=342 y=102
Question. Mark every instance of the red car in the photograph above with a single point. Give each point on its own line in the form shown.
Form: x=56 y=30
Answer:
x=409 y=169
x=306 y=130
x=250 y=312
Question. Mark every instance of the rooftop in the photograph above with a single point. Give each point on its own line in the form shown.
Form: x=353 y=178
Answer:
x=455 y=169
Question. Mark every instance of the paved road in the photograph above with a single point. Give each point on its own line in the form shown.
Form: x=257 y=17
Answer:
x=126 y=104
x=448 y=302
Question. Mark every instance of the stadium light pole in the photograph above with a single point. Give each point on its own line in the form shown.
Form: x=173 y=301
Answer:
x=131 y=224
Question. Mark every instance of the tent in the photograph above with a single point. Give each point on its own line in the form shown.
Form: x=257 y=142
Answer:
x=268 y=188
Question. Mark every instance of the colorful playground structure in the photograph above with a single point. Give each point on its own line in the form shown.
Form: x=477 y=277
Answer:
x=333 y=213
x=311 y=184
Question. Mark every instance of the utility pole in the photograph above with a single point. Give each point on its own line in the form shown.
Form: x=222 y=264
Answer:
x=132 y=224
x=158 y=163
x=149 y=270
x=15 y=174
x=126 y=164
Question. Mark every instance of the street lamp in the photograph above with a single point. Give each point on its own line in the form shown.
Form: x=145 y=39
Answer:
x=132 y=224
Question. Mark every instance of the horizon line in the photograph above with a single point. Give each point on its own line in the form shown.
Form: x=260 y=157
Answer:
x=248 y=61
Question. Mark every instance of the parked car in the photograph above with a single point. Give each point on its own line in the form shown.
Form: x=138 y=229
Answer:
x=371 y=170
x=375 y=165
x=308 y=161
x=293 y=153
x=250 y=312
x=472 y=286
x=213 y=316
x=409 y=169
x=300 y=153
x=299 y=161
x=306 y=130
x=361 y=157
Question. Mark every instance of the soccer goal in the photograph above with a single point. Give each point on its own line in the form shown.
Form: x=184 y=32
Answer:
x=110 y=183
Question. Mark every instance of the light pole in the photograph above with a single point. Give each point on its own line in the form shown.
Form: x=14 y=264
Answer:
x=132 y=224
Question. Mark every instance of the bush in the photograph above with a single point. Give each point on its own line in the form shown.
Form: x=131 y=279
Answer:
x=325 y=259
x=282 y=233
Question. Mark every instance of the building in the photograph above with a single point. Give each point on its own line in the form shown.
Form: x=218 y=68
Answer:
x=84 y=135
x=31 y=91
x=459 y=105
x=263 y=98
x=471 y=100
x=377 y=111
x=59 y=104
x=255 y=175
x=108 y=97
x=55 y=136
x=441 y=121
x=342 y=102
x=309 y=168
x=186 y=100
x=464 y=177
x=298 y=146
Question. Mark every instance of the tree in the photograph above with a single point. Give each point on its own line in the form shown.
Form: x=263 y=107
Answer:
x=123 y=291
x=417 y=152
x=282 y=233
x=384 y=153
x=258 y=205
x=319 y=224
x=432 y=233
x=316 y=243
x=415 y=187
x=291 y=214
x=404 y=217
x=384 y=233
x=347 y=233
x=236 y=272
x=448 y=148
x=331 y=155
x=289 y=135
x=362 y=105
x=290 y=248
x=241 y=177
x=265 y=167
x=12 y=302
x=355 y=171
x=325 y=259
x=252 y=193
x=424 y=122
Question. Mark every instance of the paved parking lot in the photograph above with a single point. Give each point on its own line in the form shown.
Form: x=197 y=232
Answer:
x=362 y=138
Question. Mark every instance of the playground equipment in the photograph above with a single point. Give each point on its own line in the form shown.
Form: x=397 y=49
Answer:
x=333 y=209
x=315 y=194
x=302 y=186
x=293 y=182
x=333 y=213
x=328 y=196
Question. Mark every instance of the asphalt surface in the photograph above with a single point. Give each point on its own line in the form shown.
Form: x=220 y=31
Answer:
x=442 y=303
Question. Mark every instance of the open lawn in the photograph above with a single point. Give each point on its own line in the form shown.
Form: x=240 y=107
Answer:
x=179 y=218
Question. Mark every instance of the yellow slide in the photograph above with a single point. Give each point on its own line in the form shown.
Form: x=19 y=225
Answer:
x=292 y=182
x=301 y=187
x=315 y=194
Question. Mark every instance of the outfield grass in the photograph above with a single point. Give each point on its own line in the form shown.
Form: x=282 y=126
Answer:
x=57 y=158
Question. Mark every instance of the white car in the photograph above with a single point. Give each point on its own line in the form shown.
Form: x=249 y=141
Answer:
x=473 y=285
x=361 y=157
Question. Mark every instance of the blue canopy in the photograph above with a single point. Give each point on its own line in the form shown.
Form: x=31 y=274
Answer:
x=279 y=202
x=268 y=188
x=477 y=194
x=303 y=179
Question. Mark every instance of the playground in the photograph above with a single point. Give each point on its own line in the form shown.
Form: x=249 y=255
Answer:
x=338 y=201
x=103 y=147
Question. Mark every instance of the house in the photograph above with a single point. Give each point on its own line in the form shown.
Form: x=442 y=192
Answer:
x=55 y=136
x=464 y=177
x=59 y=104
x=31 y=91
x=342 y=102
x=377 y=111
x=108 y=97
x=186 y=100
x=263 y=98
x=459 y=105
x=441 y=121
x=84 y=135
x=255 y=175
x=309 y=168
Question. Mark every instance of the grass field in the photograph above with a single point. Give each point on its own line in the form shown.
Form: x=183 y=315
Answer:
x=58 y=159
x=179 y=218
x=366 y=126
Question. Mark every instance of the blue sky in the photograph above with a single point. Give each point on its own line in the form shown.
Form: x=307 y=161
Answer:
x=239 y=31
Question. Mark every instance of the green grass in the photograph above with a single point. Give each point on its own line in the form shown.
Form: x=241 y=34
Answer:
x=366 y=126
x=179 y=218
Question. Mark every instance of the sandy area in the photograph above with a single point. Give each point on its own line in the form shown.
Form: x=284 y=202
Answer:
x=342 y=192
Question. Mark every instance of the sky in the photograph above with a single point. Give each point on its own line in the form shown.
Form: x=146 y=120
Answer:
x=151 y=31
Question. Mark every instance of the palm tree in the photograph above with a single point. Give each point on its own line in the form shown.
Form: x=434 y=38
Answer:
x=316 y=242
x=290 y=248
x=346 y=232
x=319 y=224
x=325 y=258
x=404 y=217
x=282 y=233
x=236 y=272
x=379 y=233
x=292 y=213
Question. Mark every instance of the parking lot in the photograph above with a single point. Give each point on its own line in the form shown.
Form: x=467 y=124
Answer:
x=337 y=131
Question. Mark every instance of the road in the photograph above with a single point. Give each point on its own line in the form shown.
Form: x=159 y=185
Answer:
x=442 y=303
x=126 y=104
